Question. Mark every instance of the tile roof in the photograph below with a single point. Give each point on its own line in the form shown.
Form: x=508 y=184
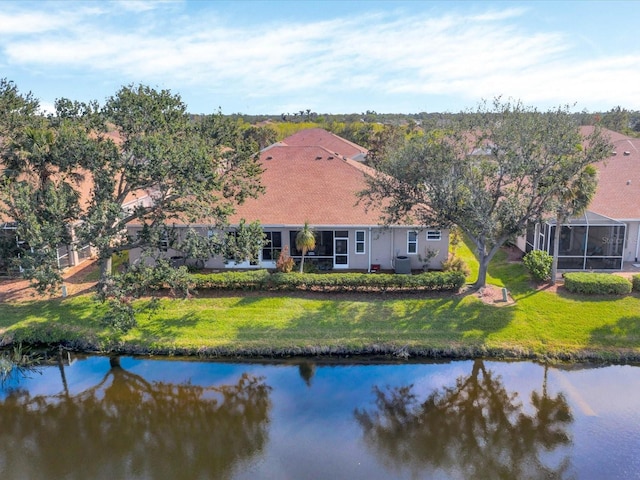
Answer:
x=308 y=184
x=618 y=192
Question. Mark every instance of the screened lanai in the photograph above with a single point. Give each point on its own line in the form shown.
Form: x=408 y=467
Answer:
x=587 y=242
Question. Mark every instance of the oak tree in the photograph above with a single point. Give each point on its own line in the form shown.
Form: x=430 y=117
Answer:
x=491 y=172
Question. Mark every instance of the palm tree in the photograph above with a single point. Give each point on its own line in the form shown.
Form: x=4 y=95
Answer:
x=305 y=241
x=573 y=201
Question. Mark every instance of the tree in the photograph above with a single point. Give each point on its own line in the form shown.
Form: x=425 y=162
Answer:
x=616 y=119
x=305 y=241
x=145 y=160
x=191 y=172
x=571 y=201
x=15 y=109
x=490 y=172
x=40 y=191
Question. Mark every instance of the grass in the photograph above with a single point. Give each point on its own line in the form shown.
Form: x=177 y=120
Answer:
x=118 y=260
x=541 y=324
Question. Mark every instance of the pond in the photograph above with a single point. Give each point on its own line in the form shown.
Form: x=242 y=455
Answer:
x=123 y=417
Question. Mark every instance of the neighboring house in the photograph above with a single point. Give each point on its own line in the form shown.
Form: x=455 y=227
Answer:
x=607 y=236
x=12 y=246
x=314 y=176
x=68 y=255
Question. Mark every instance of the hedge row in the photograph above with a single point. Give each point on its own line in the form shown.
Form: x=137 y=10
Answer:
x=330 y=282
x=596 y=283
x=636 y=283
x=247 y=280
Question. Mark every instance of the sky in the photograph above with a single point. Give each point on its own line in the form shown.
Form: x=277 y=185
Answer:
x=273 y=57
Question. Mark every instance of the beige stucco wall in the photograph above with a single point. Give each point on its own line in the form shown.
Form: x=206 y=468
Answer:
x=382 y=246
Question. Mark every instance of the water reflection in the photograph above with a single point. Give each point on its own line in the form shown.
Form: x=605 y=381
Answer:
x=307 y=370
x=475 y=429
x=135 y=418
x=127 y=427
x=17 y=363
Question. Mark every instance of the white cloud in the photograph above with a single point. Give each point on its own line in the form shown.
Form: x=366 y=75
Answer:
x=138 y=5
x=22 y=23
x=471 y=56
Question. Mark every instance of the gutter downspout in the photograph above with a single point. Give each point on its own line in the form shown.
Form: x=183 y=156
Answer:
x=369 y=267
x=391 y=257
x=638 y=243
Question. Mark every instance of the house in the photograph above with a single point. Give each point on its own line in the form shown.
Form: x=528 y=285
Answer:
x=314 y=176
x=67 y=255
x=607 y=235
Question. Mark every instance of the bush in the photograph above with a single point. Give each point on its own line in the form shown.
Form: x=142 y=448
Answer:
x=247 y=280
x=596 y=283
x=538 y=263
x=455 y=264
x=330 y=282
x=365 y=282
x=285 y=263
x=635 y=280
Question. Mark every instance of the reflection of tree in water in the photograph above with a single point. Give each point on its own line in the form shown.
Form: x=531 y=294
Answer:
x=473 y=430
x=307 y=370
x=127 y=427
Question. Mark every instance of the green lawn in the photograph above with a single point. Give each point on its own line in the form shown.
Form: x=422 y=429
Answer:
x=540 y=324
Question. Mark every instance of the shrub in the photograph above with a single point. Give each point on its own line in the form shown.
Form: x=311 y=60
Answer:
x=331 y=282
x=636 y=283
x=596 y=283
x=364 y=282
x=285 y=263
x=247 y=280
x=455 y=264
x=538 y=263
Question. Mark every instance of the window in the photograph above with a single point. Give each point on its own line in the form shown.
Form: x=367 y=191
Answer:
x=412 y=242
x=324 y=244
x=434 y=235
x=360 y=243
x=273 y=246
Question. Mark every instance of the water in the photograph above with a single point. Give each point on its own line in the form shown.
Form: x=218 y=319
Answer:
x=132 y=418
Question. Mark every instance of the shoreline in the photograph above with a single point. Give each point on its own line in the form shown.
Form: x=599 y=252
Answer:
x=366 y=354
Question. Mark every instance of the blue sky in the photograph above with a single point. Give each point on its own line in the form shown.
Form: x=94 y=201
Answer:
x=272 y=57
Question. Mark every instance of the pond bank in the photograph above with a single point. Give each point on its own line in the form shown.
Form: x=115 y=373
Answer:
x=535 y=324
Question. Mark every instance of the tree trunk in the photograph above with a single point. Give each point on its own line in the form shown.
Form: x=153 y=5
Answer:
x=302 y=260
x=484 y=259
x=105 y=268
x=556 y=246
x=482 y=271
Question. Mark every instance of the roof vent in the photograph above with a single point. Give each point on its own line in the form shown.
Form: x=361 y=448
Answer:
x=318 y=157
x=330 y=157
x=269 y=157
x=627 y=153
x=628 y=182
x=614 y=153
